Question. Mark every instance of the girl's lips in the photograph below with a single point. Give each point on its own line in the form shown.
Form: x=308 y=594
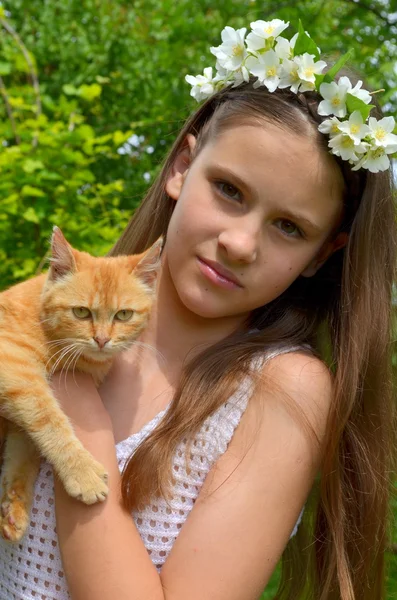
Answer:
x=218 y=274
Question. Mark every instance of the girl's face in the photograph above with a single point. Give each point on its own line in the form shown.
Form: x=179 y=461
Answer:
x=253 y=212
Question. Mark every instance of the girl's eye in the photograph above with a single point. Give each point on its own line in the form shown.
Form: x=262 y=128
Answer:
x=124 y=315
x=81 y=312
x=290 y=229
x=228 y=190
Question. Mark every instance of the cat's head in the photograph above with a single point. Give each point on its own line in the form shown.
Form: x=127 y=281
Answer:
x=98 y=306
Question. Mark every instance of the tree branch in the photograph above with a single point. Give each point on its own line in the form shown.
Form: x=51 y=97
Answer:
x=3 y=92
x=32 y=70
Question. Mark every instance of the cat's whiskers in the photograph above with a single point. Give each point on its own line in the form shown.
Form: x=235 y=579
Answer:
x=128 y=345
x=53 y=355
x=75 y=363
x=74 y=355
x=54 y=368
x=65 y=352
x=62 y=343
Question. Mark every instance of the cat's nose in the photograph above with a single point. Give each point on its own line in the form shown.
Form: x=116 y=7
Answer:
x=101 y=340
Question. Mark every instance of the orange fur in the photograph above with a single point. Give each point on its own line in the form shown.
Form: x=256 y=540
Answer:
x=40 y=334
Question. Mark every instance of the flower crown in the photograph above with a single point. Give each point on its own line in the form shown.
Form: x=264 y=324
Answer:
x=280 y=63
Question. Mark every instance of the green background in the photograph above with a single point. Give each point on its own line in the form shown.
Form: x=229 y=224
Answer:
x=93 y=95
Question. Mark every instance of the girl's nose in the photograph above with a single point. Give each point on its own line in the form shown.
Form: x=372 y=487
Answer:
x=239 y=245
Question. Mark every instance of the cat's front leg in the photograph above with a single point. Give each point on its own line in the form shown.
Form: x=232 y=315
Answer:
x=35 y=410
x=21 y=463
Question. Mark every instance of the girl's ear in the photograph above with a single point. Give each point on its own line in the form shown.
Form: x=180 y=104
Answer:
x=180 y=168
x=326 y=251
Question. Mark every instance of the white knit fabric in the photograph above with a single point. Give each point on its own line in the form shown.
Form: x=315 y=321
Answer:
x=32 y=569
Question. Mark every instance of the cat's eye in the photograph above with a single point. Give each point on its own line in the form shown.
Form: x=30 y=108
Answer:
x=124 y=315
x=81 y=312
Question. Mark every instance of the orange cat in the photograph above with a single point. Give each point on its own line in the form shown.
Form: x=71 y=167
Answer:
x=77 y=316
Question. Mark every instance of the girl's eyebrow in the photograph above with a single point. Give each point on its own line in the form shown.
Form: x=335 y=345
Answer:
x=223 y=170
x=298 y=217
x=295 y=216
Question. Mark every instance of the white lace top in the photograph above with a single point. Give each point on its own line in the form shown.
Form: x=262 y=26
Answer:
x=32 y=569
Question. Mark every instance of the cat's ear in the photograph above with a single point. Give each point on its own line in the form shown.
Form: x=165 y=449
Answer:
x=62 y=259
x=148 y=267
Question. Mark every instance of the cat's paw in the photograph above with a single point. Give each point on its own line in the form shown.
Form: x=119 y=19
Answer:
x=14 y=518
x=86 y=480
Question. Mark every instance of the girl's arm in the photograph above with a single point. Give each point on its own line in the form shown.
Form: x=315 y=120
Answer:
x=102 y=552
x=239 y=525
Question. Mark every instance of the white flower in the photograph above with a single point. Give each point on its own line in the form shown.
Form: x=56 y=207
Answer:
x=267 y=68
x=298 y=74
x=342 y=145
x=293 y=40
x=375 y=160
x=334 y=95
x=240 y=76
x=354 y=127
x=284 y=48
x=381 y=133
x=330 y=126
x=203 y=85
x=263 y=31
x=364 y=95
x=223 y=76
x=289 y=75
x=307 y=68
x=232 y=53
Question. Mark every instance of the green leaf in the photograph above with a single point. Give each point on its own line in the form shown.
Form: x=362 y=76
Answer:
x=30 y=215
x=119 y=137
x=330 y=74
x=85 y=132
x=102 y=80
x=5 y=68
x=50 y=176
x=29 y=166
x=29 y=190
x=353 y=103
x=70 y=90
x=83 y=177
x=90 y=92
x=10 y=204
x=304 y=43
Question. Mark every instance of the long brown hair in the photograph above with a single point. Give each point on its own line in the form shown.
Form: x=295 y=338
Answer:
x=344 y=312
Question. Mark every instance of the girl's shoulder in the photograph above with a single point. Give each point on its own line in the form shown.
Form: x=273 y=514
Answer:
x=295 y=379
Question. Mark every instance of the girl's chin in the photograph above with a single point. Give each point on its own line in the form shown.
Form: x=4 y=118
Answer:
x=210 y=308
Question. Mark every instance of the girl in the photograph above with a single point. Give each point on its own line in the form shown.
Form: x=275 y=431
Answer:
x=266 y=360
